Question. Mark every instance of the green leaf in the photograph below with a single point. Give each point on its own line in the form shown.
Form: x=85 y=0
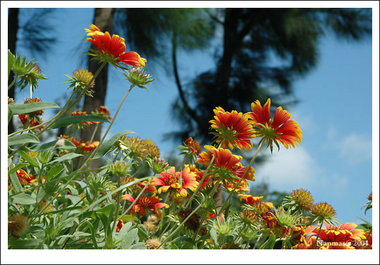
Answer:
x=64 y=121
x=42 y=147
x=69 y=156
x=24 y=199
x=73 y=199
x=67 y=145
x=22 y=139
x=139 y=245
x=54 y=171
x=214 y=236
x=130 y=237
x=15 y=181
x=11 y=61
x=27 y=158
x=45 y=156
x=105 y=147
x=24 y=244
x=106 y=210
x=269 y=244
x=17 y=167
x=18 y=108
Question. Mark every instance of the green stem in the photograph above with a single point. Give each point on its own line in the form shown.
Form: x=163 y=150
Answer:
x=31 y=91
x=245 y=173
x=63 y=110
x=94 y=132
x=187 y=218
x=46 y=122
x=366 y=239
x=109 y=127
x=13 y=82
x=316 y=240
x=180 y=225
x=117 y=205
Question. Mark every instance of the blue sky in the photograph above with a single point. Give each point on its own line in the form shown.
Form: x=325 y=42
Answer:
x=335 y=113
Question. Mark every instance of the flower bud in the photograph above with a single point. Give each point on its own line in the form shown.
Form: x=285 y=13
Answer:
x=17 y=224
x=119 y=168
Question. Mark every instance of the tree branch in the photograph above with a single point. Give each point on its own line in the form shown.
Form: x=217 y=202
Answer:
x=188 y=109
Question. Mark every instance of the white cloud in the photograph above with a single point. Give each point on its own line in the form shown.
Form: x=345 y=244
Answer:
x=296 y=168
x=355 y=148
x=292 y=168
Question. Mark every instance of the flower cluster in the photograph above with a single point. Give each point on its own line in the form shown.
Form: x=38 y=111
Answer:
x=83 y=146
x=32 y=119
x=120 y=193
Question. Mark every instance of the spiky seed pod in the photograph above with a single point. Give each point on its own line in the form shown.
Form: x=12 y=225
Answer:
x=303 y=198
x=84 y=76
x=323 y=210
x=193 y=222
x=248 y=215
x=153 y=243
x=150 y=226
x=17 y=224
x=151 y=148
x=119 y=168
x=152 y=219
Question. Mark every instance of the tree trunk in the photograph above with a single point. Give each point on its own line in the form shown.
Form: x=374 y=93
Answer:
x=225 y=67
x=229 y=39
x=188 y=109
x=103 y=19
x=13 y=27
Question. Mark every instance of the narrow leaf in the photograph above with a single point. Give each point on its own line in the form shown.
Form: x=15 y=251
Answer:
x=64 y=121
x=69 y=156
x=18 y=108
x=24 y=199
x=269 y=244
x=22 y=139
x=17 y=167
x=27 y=158
x=104 y=148
x=11 y=61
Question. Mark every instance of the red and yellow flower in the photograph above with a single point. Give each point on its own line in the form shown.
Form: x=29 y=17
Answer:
x=88 y=146
x=71 y=139
x=145 y=203
x=83 y=113
x=231 y=185
x=199 y=175
x=225 y=163
x=102 y=111
x=223 y=158
x=193 y=145
x=170 y=180
x=342 y=233
x=119 y=225
x=280 y=129
x=249 y=199
x=112 y=49
x=24 y=177
x=232 y=128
